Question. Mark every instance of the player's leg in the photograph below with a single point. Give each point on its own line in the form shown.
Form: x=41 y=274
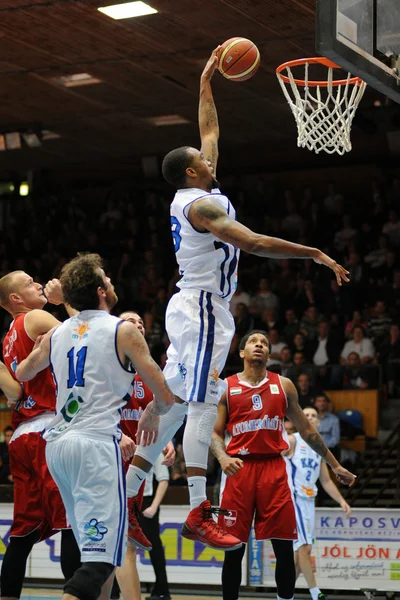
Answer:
x=285 y=572
x=151 y=528
x=305 y=513
x=128 y=576
x=14 y=565
x=70 y=556
x=237 y=499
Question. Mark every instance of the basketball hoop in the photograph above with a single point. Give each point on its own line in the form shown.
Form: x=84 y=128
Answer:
x=324 y=116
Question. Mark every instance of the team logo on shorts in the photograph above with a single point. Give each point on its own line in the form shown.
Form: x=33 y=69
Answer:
x=230 y=518
x=95 y=530
x=81 y=332
x=71 y=407
x=182 y=371
x=214 y=376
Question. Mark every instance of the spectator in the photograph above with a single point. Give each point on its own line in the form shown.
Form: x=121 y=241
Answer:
x=329 y=426
x=270 y=318
x=355 y=375
x=357 y=321
x=392 y=228
x=379 y=323
x=276 y=347
x=5 y=474
x=286 y=361
x=240 y=296
x=377 y=257
x=153 y=330
x=263 y=299
x=345 y=235
x=300 y=345
x=306 y=393
x=359 y=344
x=309 y=323
x=325 y=349
x=390 y=357
x=291 y=327
x=299 y=366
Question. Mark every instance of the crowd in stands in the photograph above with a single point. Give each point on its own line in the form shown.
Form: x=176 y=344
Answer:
x=322 y=336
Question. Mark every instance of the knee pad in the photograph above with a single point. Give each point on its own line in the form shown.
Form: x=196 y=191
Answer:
x=87 y=581
x=206 y=415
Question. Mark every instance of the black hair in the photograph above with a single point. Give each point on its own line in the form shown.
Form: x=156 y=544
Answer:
x=175 y=164
x=244 y=339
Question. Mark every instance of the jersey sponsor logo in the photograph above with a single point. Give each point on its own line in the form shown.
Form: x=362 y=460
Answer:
x=95 y=530
x=231 y=518
x=273 y=388
x=10 y=342
x=274 y=423
x=81 y=332
x=71 y=407
x=29 y=403
x=131 y=414
x=235 y=390
x=309 y=463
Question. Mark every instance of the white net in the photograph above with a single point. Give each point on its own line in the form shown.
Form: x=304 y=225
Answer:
x=323 y=114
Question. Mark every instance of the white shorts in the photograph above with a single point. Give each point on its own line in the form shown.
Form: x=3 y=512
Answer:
x=305 y=521
x=200 y=328
x=90 y=475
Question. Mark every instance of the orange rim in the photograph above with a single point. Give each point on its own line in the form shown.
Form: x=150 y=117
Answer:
x=316 y=60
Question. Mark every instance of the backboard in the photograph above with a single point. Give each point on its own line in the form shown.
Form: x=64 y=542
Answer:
x=362 y=37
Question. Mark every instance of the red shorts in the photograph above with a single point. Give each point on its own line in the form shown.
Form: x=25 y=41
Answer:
x=260 y=487
x=37 y=501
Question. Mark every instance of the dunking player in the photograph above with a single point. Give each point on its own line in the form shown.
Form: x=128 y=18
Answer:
x=38 y=508
x=92 y=356
x=305 y=467
x=207 y=239
x=251 y=418
x=127 y=575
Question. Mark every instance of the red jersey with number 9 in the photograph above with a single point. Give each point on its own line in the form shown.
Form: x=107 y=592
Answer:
x=256 y=415
x=132 y=412
x=40 y=392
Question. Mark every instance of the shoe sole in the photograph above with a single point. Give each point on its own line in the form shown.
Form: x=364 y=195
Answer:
x=190 y=535
x=135 y=543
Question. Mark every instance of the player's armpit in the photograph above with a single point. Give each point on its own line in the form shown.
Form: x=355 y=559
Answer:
x=38 y=322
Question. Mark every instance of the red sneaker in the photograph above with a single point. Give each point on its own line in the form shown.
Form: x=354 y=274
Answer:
x=135 y=533
x=201 y=526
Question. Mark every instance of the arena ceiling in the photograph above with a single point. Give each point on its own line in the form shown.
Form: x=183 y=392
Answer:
x=147 y=67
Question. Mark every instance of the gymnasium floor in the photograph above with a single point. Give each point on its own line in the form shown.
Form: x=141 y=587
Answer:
x=38 y=593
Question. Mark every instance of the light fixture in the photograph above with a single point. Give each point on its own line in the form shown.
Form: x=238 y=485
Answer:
x=165 y=120
x=31 y=139
x=127 y=10
x=13 y=140
x=76 y=79
x=24 y=188
x=49 y=135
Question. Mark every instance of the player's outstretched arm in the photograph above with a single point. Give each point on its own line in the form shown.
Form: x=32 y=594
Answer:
x=37 y=360
x=131 y=345
x=332 y=490
x=11 y=388
x=310 y=434
x=210 y=215
x=208 y=118
x=229 y=465
x=39 y=322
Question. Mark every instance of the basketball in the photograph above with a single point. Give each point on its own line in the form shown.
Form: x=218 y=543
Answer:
x=239 y=59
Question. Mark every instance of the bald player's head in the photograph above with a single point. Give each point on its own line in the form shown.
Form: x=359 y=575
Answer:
x=19 y=293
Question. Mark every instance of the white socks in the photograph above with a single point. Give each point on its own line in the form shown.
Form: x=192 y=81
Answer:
x=197 y=491
x=134 y=479
x=314 y=593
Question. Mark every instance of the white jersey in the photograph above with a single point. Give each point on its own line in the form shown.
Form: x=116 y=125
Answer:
x=305 y=469
x=205 y=263
x=92 y=385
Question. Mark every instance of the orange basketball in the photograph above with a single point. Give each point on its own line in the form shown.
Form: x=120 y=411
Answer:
x=239 y=59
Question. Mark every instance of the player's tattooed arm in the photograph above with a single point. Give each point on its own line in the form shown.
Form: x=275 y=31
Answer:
x=208 y=117
x=229 y=464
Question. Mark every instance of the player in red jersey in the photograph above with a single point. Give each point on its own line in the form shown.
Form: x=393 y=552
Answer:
x=127 y=576
x=251 y=418
x=11 y=388
x=38 y=508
